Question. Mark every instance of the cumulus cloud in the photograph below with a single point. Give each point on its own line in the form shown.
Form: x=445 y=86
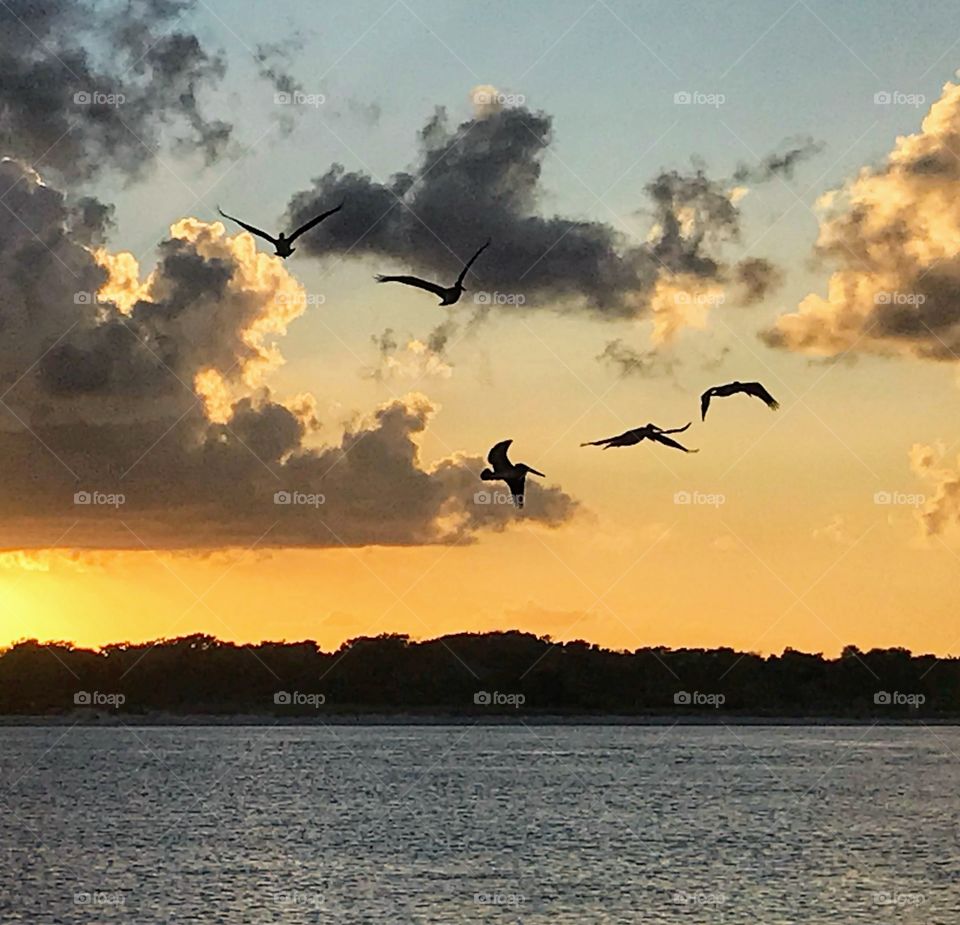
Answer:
x=482 y=179
x=150 y=398
x=84 y=87
x=893 y=236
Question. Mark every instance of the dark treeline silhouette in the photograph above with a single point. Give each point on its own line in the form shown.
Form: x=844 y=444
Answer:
x=478 y=674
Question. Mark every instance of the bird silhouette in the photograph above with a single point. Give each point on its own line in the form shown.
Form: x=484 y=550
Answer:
x=282 y=243
x=732 y=388
x=447 y=294
x=514 y=474
x=647 y=432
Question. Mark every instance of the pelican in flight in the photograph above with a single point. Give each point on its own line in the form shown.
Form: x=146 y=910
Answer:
x=648 y=432
x=447 y=294
x=514 y=474
x=732 y=388
x=282 y=243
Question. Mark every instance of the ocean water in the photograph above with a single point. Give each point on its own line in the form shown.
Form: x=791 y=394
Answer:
x=533 y=824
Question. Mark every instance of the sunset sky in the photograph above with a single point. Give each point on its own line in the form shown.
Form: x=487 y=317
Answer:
x=679 y=195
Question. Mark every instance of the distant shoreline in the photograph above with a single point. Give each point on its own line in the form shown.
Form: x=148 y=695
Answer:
x=461 y=719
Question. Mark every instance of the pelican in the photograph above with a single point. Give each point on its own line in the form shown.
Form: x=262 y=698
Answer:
x=282 y=243
x=647 y=432
x=514 y=474
x=447 y=294
x=732 y=388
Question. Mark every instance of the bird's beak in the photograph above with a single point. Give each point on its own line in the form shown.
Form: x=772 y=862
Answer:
x=535 y=472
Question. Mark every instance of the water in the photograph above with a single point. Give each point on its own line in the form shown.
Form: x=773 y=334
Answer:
x=464 y=824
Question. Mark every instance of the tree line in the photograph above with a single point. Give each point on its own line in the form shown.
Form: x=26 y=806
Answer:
x=479 y=674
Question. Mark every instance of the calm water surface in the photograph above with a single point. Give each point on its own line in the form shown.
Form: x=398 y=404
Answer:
x=461 y=824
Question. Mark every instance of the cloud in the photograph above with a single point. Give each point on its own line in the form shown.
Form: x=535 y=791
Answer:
x=628 y=361
x=779 y=163
x=893 y=236
x=414 y=360
x=943 y=509
x=150 y=398
x=483 y=179
x=84 y=88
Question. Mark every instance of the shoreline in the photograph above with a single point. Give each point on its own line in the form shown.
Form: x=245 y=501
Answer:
x=458 y=719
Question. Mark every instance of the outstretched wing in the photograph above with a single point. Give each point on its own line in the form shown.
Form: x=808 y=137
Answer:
x=312 y=222
x=497 y=457
x=516 y=485
x=666 y=441
x=438 y=291
x=675 y=430
x=704 y=404
x=757 y=390
x=627 y=438
x=469 y=263
x=257 y=231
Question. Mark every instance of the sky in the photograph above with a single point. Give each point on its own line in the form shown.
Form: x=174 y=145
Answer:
x=677 y=196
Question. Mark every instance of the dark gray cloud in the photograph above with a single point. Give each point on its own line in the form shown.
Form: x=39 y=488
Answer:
x=779 y=163
x=755 y=278
x=482 y=179
x=646 y=364
x=100 y=396
x=86 y=87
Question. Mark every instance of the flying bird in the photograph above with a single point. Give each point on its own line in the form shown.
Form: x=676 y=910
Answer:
x=514 y=474
x=647 y=432
x=282 y=243
x=447 y=294
x=732 y=388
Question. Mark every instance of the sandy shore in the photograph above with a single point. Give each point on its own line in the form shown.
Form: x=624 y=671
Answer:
x=441 y=719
